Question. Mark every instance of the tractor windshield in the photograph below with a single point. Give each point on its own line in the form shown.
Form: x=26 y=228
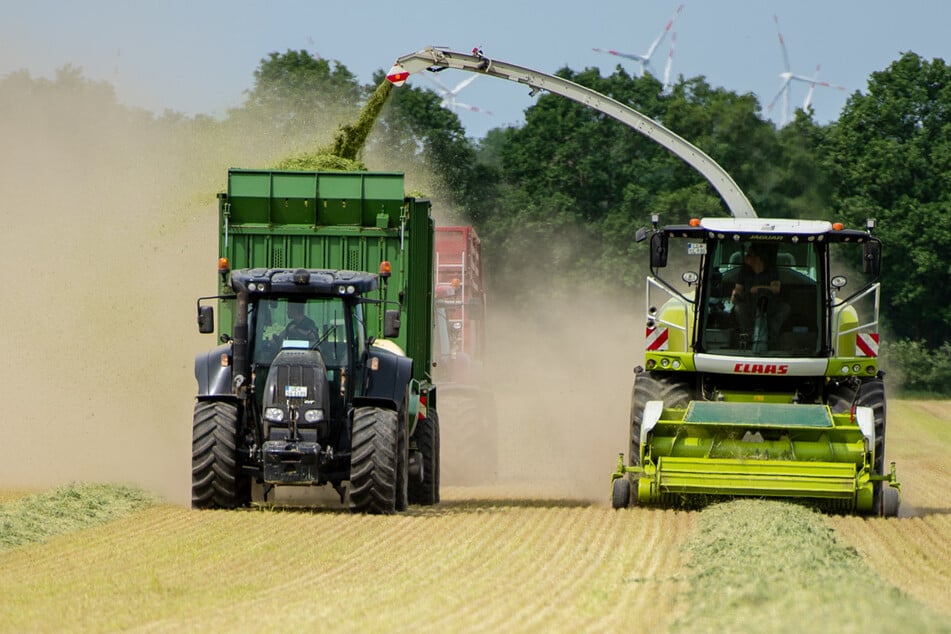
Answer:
x=312 y=323
x=761 y=298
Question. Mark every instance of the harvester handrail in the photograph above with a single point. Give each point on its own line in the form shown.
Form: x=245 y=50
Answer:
x=851 y=301
x=651 y=280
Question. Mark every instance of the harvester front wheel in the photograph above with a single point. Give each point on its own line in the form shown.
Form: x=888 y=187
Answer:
x=653 y=386
x=426 y=492
x=871 y=394
x=621 y=493
x=375 y=461
x=217 y=481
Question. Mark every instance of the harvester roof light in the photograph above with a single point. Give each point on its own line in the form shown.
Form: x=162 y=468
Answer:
x=870 y=369
x=845 y=369
x=837 y=226
x=695 y=222
x=857 y=368
x=223 y=265
x=386 y=269
x=655 y=219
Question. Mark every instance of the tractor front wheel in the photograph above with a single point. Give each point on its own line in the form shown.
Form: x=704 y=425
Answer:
x=217 y=480
x=375 y=461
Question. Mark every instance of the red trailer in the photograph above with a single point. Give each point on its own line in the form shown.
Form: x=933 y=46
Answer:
x=460 y=306
x=469 y=429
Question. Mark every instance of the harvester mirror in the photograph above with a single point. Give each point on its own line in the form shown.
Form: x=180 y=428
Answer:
x=839 y=281
x=659 y=250
x=391 y=324
x=872 y=257
x=690 y=277
x=206 y=319
x=640 y=235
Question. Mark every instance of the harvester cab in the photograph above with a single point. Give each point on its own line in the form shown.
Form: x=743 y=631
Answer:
x=761 y=374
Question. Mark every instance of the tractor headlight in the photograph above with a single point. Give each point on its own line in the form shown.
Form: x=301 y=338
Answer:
x=274 y=414
x=314 y=415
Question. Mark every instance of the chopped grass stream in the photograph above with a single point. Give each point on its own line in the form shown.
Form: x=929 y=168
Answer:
x=773 y=566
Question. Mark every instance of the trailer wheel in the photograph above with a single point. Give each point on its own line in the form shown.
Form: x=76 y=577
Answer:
x=653 y=386
x=375 y=461
x=426 y=492
x=217 y=481
x=871 y=394
x=621 y=493
x=472 y=436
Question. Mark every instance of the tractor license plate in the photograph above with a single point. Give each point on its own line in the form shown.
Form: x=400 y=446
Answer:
x=295 y=391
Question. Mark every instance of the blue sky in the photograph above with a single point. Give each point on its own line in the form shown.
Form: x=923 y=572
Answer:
x=199 y=56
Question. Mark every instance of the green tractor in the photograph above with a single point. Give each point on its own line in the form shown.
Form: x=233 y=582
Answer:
x=761 y=374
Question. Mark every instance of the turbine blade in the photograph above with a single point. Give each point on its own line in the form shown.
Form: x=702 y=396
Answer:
x=782 y=44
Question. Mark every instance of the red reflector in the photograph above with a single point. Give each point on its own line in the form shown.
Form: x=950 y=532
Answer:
x=397 y=75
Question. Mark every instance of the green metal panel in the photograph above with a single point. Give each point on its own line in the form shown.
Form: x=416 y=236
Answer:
x=283 y=198
x=336 y=220
x=759 y=414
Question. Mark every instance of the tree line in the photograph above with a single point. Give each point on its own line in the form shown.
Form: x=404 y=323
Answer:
x=563 y=194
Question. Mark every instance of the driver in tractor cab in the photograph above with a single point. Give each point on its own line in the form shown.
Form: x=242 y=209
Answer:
x=300 y=325
x=760 y=311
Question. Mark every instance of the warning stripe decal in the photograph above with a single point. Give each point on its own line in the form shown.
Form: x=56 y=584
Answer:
x=866 y=344
x=656 y=338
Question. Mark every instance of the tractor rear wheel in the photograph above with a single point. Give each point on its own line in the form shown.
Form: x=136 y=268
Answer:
x=375 y=461
x=871 y=394
x=217 y=480
x=426 y=492
x=653 y=386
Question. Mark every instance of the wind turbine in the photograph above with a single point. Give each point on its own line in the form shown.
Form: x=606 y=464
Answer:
x=788 y=77
x=449 y=96
x=644 y=61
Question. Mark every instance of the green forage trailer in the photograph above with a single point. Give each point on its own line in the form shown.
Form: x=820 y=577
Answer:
x=347 y=401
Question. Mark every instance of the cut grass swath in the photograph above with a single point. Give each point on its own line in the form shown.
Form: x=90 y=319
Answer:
x=38 y=517
x=774 y=566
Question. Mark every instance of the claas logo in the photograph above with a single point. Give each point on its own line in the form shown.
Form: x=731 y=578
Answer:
x=760 y=368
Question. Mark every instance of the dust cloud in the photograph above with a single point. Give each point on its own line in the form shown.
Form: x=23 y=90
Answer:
x=561 y=373
x=109 y=236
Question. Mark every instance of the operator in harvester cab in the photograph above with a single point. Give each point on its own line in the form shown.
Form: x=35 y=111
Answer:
x=757 y=294
x=300 y=325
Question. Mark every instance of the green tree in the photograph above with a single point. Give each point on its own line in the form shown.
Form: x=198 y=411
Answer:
x=889 y=156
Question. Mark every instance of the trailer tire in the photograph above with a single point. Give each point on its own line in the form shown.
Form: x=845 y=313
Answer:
x=871 y=394
x=375 y=461
x=217 y=480
x=621 y=493
x=651 y=386
x=472 y=437
x=426 y=492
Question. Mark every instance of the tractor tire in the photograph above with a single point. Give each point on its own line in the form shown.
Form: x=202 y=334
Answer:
x=426 y=492
x=653 y=386
x=217 y=480
x=621 y=493
x=375 y=461
x=871 y=394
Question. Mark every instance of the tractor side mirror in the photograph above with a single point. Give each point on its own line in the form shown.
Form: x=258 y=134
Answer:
x=872 y=258
x=659 y=250
x=391 y=324
x=206 y=319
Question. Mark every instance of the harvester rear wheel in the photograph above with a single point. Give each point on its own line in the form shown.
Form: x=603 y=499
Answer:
x=871 y=394
x=375 y=461
x=217 y=481
x=621 y=493
x=427 y=443
x=653 y=386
